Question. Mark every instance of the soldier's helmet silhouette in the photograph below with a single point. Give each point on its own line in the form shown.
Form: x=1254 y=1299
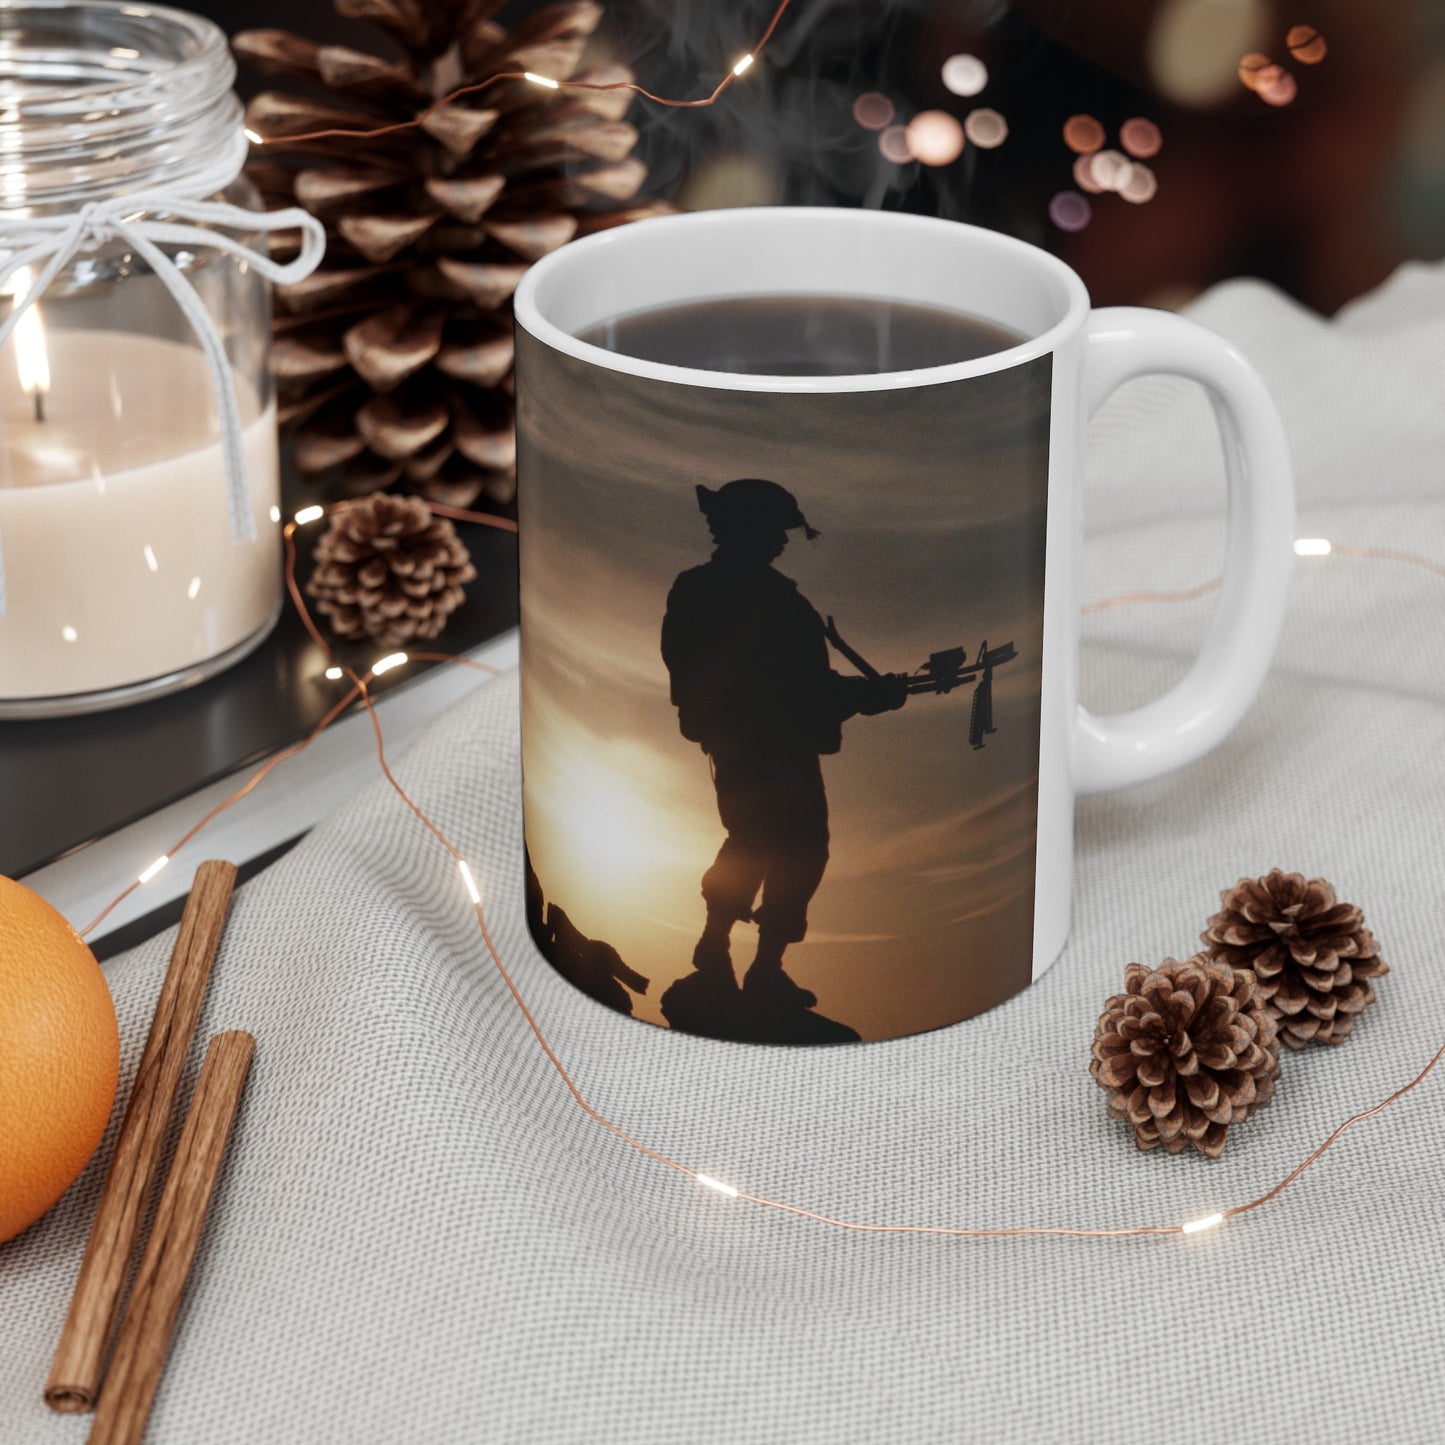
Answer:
x=750 y=506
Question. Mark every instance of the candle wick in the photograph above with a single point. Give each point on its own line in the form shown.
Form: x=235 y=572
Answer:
x=39 y=404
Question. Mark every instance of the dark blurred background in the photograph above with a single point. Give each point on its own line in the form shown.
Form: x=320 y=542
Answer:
x=1319 y=165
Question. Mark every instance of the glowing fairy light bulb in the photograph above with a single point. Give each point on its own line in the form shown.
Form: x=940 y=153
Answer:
x=708 y=1182
x=149 y=873
x=309 y=514
x=256 y=140
x=1196 y=1226
x=1313 y=547
x=543 y=80
x=385 y=664
x=472 y=890
x=742 y=65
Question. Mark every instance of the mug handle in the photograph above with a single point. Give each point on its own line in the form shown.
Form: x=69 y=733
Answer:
x=1196 y=714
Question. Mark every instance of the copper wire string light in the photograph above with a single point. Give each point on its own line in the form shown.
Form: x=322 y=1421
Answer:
x=547 y=82
x=1130 y=599
x=1304 y=547
x=360 y=690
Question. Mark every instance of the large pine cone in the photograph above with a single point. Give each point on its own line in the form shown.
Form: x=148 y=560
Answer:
x=1185 y=1051
x=388 y=570
x=1314 y=957
x=394 y=360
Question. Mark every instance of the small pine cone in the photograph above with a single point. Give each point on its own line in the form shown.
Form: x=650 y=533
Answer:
x=387 y=569
x=1185 y=1051
x=1314 y=957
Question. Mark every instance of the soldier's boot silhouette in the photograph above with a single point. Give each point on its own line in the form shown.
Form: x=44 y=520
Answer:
x=713 y=957
x=767 y=984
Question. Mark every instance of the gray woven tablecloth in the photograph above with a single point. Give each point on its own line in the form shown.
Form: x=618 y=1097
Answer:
x=419 y=1237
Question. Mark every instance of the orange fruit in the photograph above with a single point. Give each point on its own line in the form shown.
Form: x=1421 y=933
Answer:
x=59 y=1056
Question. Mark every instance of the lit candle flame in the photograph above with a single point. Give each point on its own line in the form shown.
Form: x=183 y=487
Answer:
x=31 y=359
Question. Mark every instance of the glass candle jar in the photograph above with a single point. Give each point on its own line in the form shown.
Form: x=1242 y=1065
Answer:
x=131 y=567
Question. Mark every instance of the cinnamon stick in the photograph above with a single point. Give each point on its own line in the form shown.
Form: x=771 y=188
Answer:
x=79 y=1362
x=160 y=1283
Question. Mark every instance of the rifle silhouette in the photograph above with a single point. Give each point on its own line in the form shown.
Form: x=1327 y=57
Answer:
x=595 y=967
x=944 y=671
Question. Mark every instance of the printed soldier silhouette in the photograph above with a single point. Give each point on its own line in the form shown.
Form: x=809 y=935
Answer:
x=748 y=659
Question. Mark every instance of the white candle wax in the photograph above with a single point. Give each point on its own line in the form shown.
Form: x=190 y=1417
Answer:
x=113 y=518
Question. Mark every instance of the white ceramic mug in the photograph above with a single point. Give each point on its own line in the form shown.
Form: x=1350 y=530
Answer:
x=949 y=506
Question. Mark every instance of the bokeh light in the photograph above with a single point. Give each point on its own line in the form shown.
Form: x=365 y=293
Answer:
x=1194 y=46
x=985 y=128
x=1306 y=44
x=1110 y=170
x=1276 y=86
x=1070 y=211
x=872 y=111
x=1084 y=175
x=1141 y=184
x=1140 y=137
x=893 y=142
x=1250 y=67
x=1083 y=134
x=934 y=137
x=965 y=74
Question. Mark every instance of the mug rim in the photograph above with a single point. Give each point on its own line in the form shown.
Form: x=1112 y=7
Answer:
x=528 y=310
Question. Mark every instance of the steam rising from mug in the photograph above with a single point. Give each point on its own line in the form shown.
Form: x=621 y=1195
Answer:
x=791 y=135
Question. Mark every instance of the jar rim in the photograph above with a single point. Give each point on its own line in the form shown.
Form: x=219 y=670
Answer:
x=209 y=45
x=103 y=97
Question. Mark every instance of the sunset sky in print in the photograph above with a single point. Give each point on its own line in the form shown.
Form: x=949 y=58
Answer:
x=930 y=502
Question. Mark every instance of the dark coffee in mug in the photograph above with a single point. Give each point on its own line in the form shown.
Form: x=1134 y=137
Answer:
x=801 y=335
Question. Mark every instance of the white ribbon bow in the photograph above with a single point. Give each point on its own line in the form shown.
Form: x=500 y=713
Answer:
x=52 y=242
